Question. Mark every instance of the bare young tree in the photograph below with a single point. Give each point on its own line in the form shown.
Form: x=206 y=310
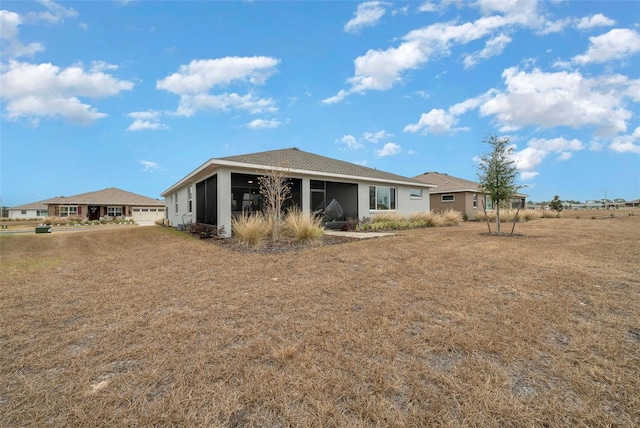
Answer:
x=275 y=188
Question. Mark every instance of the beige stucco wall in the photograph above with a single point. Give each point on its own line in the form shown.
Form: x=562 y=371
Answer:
x=463 y=202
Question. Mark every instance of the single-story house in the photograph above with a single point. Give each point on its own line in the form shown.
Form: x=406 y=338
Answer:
x=460 y=194
x=34 y=210
x=225 y=187
x=106 y=204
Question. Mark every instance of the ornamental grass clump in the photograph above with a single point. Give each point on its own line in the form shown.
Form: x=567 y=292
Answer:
x=528 y=215
x=425 y=219
x=302 y=227
x=451 y=217
x=251 y=230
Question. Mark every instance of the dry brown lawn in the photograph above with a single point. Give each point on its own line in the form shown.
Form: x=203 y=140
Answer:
x=145 y=326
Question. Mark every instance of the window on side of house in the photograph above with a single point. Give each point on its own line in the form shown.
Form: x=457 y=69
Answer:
x=488 y=203
x=175 y=198
x=382 y=198
x=475 y=200
x=415 y=193
x=448 y=198
x=23 y=212
x=68 y=210
x=42 y=213
x=190 y=199
x=114 y=211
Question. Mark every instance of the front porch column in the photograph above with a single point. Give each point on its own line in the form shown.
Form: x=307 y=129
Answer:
x=224 y=201
x=305 y=189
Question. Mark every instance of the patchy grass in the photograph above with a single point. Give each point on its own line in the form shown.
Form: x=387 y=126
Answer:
x=436 y=326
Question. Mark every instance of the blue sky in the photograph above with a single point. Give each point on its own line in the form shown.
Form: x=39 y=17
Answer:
x=137 y=94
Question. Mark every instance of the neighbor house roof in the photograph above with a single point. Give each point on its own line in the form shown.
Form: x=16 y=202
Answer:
x=447 y=183
x=297 y=161
x=110 y=196
x=40 y=205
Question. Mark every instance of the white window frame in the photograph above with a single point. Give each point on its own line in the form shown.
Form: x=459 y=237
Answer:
x=112 y=211
x=442 y=197
x=68 y=210
x=475 y=200
x=393 y=203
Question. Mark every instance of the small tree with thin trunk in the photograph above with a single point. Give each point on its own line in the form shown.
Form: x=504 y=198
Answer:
x=275 y=188
x=497 y=174
x=556 y=204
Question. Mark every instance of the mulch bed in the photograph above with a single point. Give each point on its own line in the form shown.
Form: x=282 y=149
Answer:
x=284 y=245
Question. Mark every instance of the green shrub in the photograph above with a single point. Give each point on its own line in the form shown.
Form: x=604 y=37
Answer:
x=251 y=230
x=303 y=227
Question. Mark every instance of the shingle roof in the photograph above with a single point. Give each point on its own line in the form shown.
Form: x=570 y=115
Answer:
x=40 y=205
x=300 y=160
x=447 y=183
x=110 y=196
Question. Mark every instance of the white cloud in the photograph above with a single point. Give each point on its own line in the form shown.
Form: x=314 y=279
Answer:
x=596 y=145
x=99 y=66
x=12 y=47
x=528 y=175
x=146 y=120
x=437 y=121
x=55 y=13
x=597 y=20
x=264 y=124
x=376 y=137
x=627 y=143
x=493 y=47
x=618 y=43
x=350 y=142
x=538 y=149
x=45 y=90
x=342 y=94
x=190 y=104
x=550 y=27
x=366 y=15
x=382 y=69
x=428 y=6
x=148 y=166
x=548 y=100
x=202 y=75
x=194 y=81
x=388 y=149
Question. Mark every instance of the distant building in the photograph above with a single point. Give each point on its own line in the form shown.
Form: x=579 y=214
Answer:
x=108 y=203
x=34 y=210
x=460 y=195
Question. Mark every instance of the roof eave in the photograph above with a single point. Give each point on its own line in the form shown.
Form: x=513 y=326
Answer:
x=260 y=167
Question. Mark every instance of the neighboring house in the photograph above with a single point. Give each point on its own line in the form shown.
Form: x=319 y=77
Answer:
x=108 y=203
x=34 y=210
x=225 y=187
x=459 y=194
